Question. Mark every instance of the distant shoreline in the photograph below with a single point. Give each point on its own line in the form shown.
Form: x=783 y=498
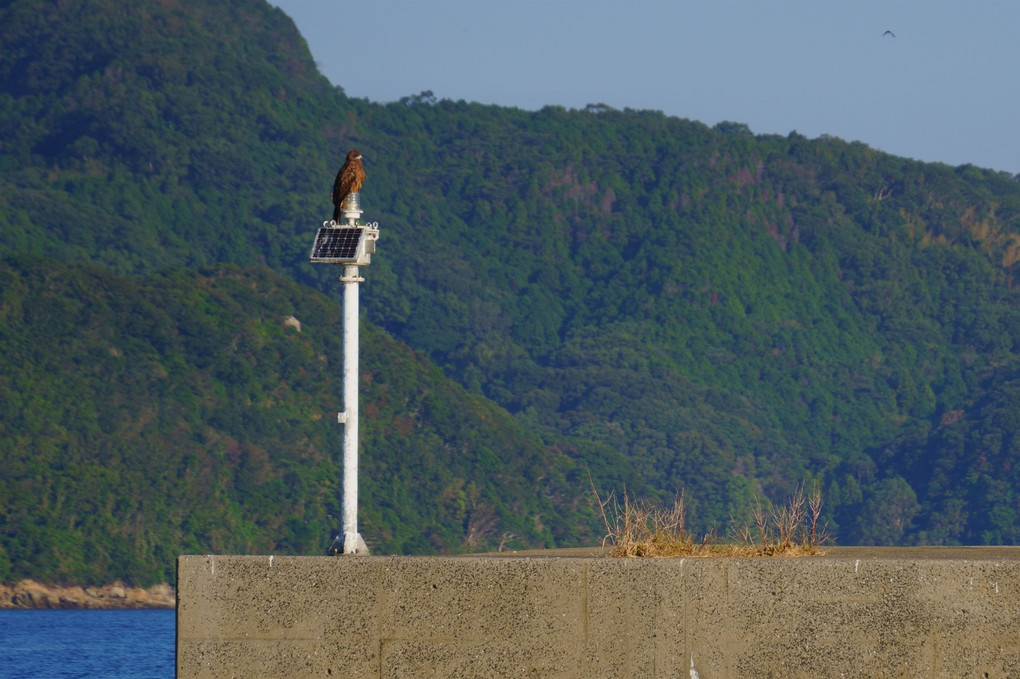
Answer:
x=32 y=595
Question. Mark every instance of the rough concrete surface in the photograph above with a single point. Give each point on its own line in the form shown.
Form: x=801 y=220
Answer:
x=952 y=612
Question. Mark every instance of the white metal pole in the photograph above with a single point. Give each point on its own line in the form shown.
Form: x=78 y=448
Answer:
x=333 y=245
x=353 y=543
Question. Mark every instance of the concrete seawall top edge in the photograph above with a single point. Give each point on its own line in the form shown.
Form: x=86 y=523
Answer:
x=983 y=552
x=966 y=553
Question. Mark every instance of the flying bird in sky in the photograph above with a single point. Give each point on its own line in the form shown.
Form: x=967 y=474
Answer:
x=348 y=180
x=889 y=33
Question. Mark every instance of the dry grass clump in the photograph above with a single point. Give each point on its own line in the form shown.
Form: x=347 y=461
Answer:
x=651 y=530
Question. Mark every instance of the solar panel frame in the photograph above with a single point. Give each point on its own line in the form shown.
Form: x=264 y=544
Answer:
x=337 y=244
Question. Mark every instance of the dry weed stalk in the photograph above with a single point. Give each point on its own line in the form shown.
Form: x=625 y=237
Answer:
x=788 y=529
x=648 y=529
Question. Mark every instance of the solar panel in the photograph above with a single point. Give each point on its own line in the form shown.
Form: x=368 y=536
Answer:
x=334 y=244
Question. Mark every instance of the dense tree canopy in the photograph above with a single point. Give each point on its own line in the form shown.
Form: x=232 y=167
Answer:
x=196 y=411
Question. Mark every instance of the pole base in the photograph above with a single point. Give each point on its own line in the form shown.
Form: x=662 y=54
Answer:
x=349 y=544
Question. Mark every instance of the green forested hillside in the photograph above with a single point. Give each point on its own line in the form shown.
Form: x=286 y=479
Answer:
x=146 y=135
x=659 y=303
x=736 y=313
x=182 y=413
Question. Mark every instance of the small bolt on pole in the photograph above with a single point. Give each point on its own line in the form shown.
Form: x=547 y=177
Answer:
x=349 y=244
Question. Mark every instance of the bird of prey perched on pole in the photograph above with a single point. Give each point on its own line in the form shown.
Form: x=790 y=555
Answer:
x=348 y=180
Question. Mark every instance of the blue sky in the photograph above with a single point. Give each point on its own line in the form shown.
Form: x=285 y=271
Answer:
x=945 y=89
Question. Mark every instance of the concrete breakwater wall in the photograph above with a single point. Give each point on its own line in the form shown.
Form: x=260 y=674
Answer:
x=952 y=613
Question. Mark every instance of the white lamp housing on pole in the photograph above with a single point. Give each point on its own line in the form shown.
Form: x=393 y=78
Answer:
x=350 y=245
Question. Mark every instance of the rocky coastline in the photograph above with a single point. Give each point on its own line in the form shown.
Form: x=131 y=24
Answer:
x=29 y=594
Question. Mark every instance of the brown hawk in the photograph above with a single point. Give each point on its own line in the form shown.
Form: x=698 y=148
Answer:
x=348 y=180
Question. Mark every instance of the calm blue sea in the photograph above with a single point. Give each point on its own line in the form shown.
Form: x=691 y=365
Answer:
x=93 y=644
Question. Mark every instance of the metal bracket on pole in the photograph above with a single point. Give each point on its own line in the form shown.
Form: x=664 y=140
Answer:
x=352 y=278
